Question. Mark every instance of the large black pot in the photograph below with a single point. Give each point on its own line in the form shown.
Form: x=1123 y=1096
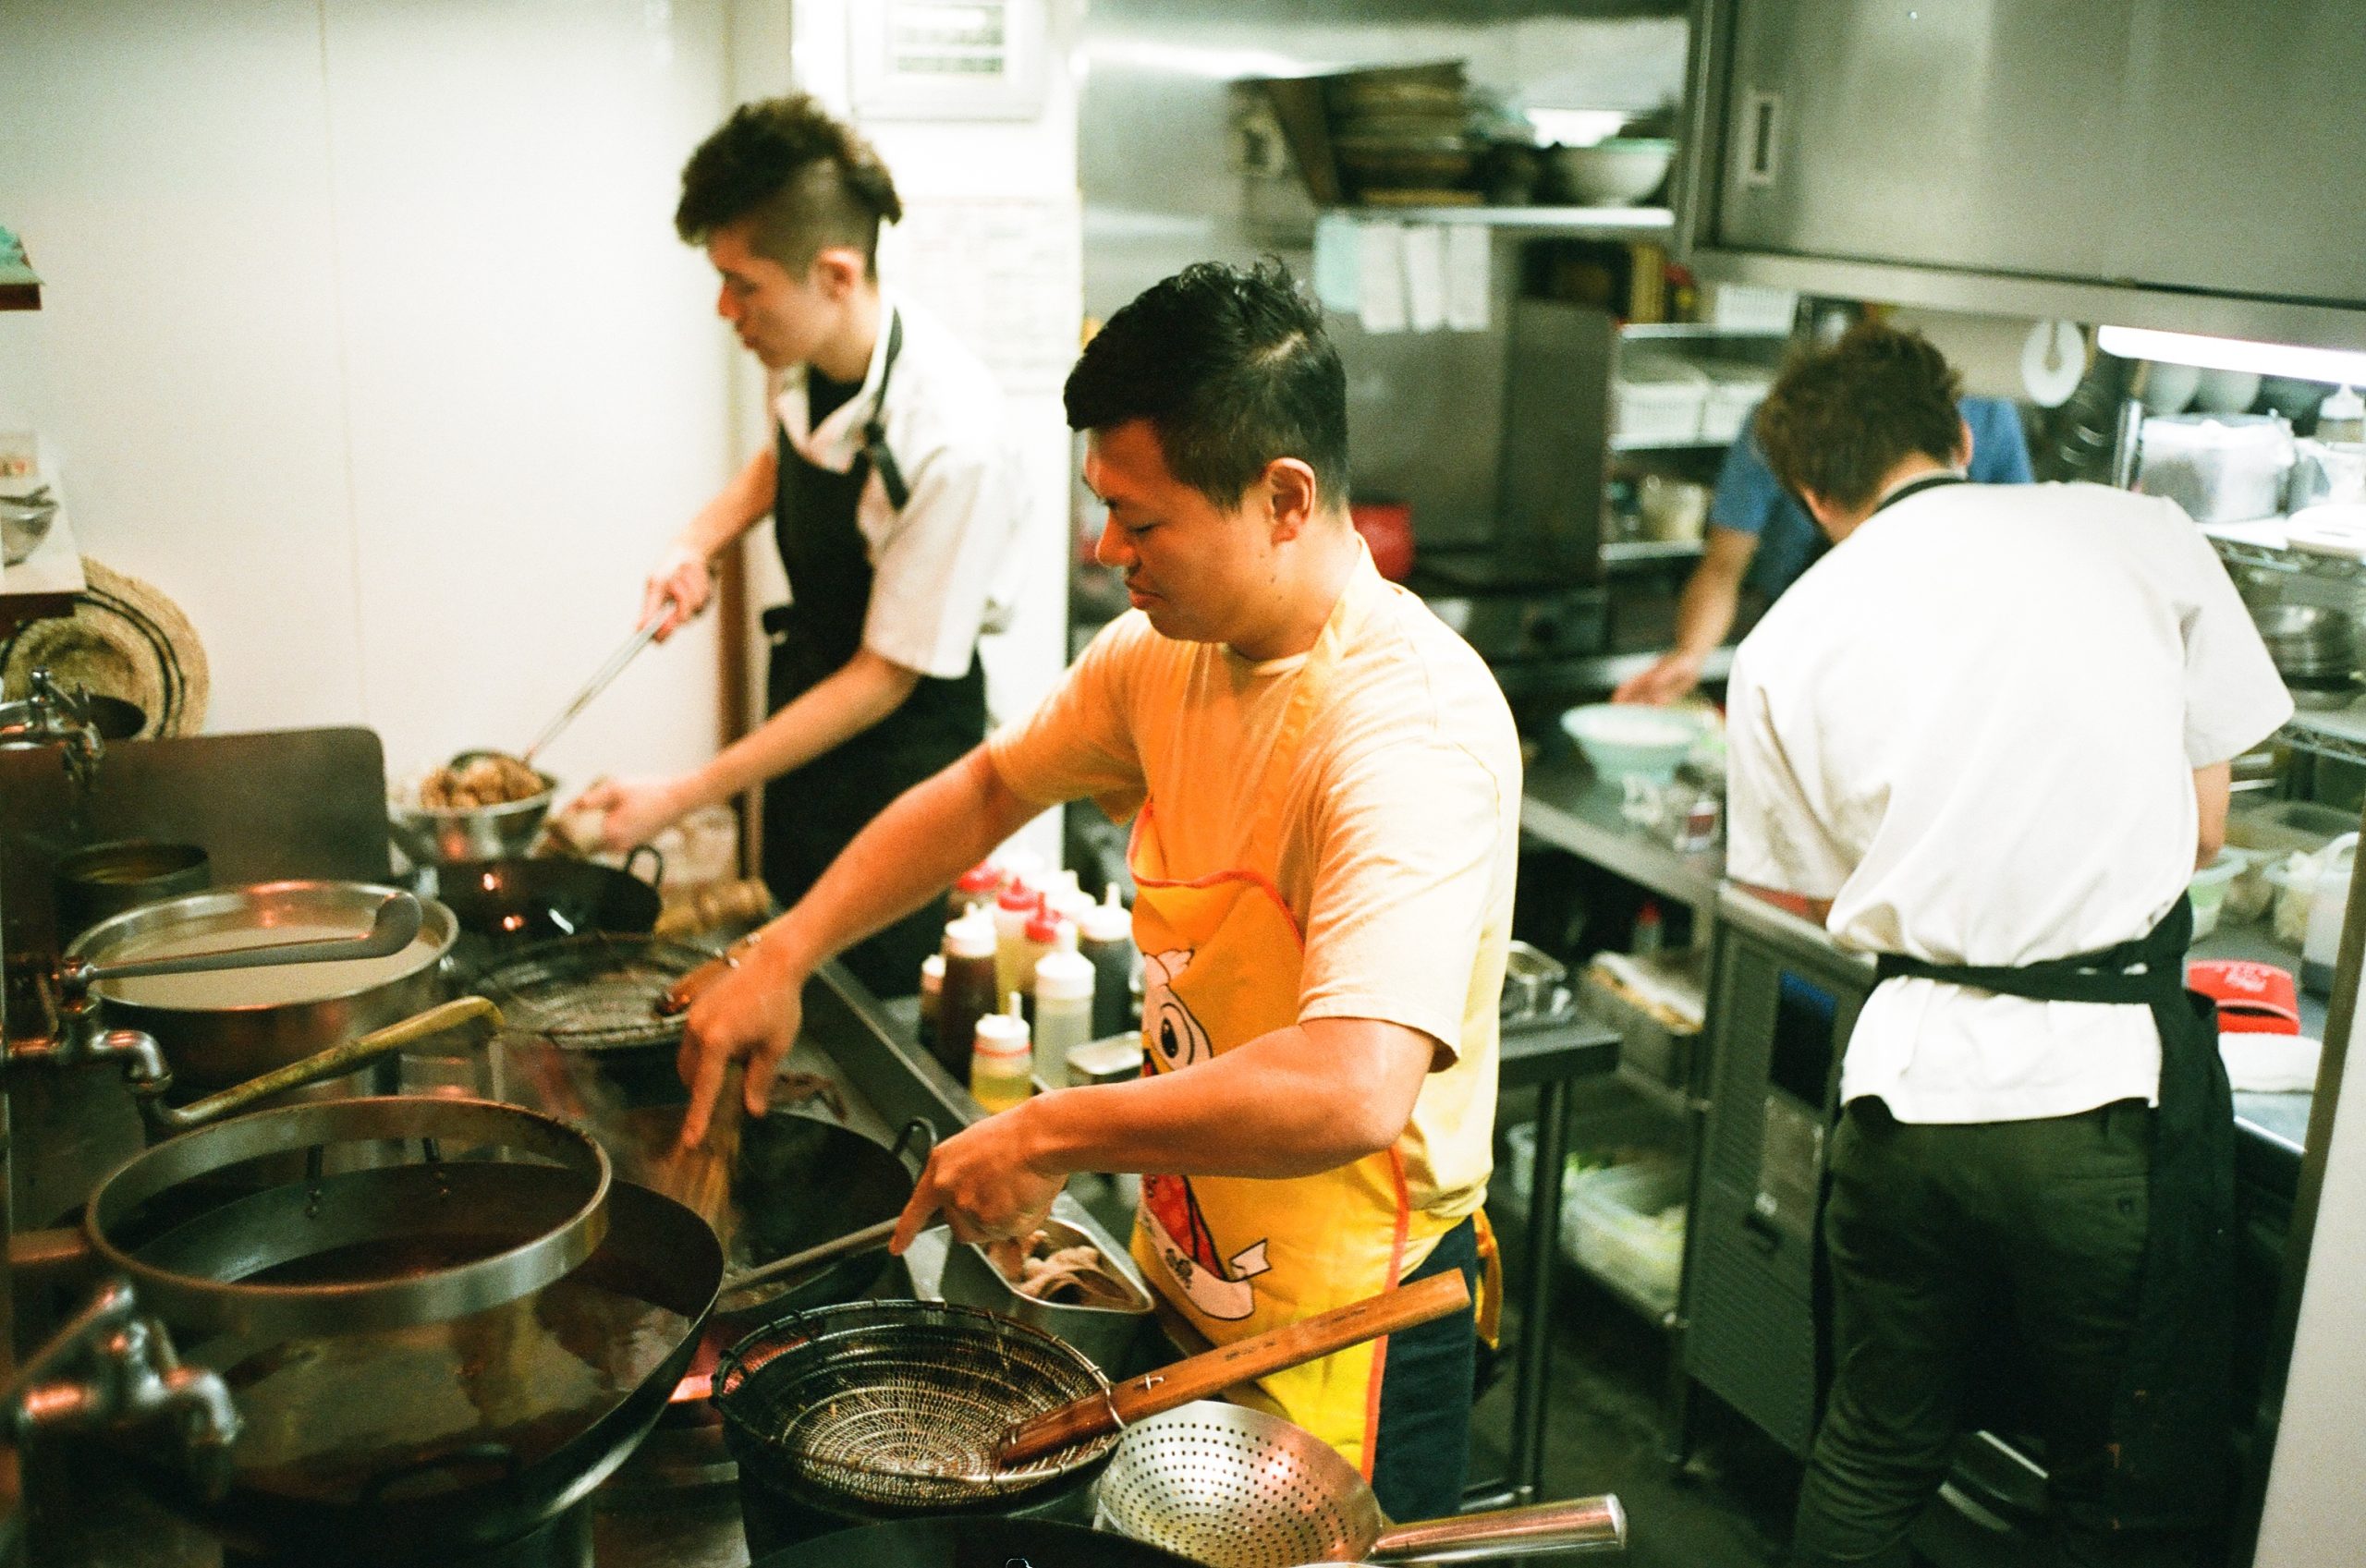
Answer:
x=473 y=1493
x=534 y=900
x=983 y=1542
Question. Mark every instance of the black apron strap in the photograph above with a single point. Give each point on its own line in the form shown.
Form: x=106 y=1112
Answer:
x=875 y=429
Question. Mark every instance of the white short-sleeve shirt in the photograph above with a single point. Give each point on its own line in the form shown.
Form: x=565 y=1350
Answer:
x=945 y=568
x=1973 y=726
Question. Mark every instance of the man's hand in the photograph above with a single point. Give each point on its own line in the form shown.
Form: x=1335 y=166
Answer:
x=984 y=1183
x=631 y=810
x=1671 y=678
x=677 y=591
x=751 y=1015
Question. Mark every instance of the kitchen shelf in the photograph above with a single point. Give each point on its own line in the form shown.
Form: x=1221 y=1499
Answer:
x=2340 y=732
x=1708 y=331
x=1620 y=551
x=2262 y=543
x=1648 y=443
x=1606 y=221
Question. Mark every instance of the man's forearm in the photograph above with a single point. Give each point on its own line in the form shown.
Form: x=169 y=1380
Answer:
x=1705 y=612
x=927 y=836
x=1278 y=1106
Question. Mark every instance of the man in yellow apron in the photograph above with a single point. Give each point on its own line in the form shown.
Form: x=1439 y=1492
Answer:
x=1324 y=787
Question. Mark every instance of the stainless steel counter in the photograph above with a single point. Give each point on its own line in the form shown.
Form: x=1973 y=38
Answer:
x=1567 y=804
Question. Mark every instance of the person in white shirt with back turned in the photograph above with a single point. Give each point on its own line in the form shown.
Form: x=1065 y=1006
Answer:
x=1988 y=739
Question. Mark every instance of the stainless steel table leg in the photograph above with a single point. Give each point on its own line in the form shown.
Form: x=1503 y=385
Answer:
x=1530 y=1398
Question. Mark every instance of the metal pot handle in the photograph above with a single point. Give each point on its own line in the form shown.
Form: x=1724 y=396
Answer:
x=392 y=928
x=1585 y=1523
x=656 y=861
x=919 y=1127
x=335 y=1061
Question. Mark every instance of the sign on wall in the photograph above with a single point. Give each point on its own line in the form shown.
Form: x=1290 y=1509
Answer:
x=948 y=59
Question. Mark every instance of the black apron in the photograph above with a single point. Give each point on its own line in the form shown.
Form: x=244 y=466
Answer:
x=2172 y=1420
x=812 y=812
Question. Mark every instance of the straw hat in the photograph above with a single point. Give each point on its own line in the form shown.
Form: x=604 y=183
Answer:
x=125 y=639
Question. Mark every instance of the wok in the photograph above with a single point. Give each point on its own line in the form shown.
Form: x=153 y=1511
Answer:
x=428 y=1444
x=532 y=900
x=974 y=1542
x=800 y=1181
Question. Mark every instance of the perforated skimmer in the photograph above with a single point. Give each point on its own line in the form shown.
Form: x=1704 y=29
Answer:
x=895 y=1406
x=1235 y=1488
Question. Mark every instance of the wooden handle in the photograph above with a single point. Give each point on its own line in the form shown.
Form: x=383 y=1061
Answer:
x=1201 y=1377
x=697 y=983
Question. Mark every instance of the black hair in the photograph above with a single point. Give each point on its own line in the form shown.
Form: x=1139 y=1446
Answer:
x=1839 y=418
x=806 y=177
x=1232 y=369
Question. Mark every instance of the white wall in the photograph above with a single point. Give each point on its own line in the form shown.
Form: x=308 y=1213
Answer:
x=367 y=339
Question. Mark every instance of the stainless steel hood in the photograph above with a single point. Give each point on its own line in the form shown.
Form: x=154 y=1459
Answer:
x=2177 y=163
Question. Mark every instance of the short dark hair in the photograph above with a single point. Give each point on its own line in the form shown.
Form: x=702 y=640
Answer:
x=1232 y=369
x=807 y=180
x=1839 y=418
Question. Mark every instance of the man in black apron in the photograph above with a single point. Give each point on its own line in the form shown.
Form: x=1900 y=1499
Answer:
x=892 y=508
x=1987 y=738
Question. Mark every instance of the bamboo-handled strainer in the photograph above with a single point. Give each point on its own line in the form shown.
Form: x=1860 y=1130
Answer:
x=1235 y=1488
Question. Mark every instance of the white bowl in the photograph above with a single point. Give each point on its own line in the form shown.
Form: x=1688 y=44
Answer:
x=1623 y=739
x=1617 y=171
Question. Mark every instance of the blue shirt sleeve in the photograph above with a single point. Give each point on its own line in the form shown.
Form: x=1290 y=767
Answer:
x=2000 y=452
x=1747 y=495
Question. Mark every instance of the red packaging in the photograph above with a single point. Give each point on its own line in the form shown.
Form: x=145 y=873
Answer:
x=2252 y=998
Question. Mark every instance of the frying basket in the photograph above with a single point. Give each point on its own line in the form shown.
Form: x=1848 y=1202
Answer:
x=894 y=1407
x=594 y=992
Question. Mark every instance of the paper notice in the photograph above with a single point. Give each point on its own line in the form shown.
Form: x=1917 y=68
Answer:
x=1380 y=281
x=1468 y=278
x=1336 y=268
x=1424 y=277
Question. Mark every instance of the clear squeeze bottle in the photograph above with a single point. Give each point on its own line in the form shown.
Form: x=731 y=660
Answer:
x=1063 y=980
x=968 y=990
x=1000 y=1060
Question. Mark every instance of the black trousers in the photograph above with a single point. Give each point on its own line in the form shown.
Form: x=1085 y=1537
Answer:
x=1938 y=1237
x=1426 y=1386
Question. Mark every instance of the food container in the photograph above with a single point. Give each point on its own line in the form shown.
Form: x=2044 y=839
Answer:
x=1112 y=1059
x=1105 y=1334
x=2208 y=888
x=2221 y=470
x=431 y=834
x=1657 y=400
x=1613 y=172
x=1732 y=394
x=102 y=880
x=1624 y=1225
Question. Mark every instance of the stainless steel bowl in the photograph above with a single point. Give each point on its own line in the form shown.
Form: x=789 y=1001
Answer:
x=23 y=527
x=1104 y=1333
x=470 y=832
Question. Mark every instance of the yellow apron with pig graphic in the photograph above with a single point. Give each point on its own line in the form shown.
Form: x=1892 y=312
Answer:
x=1237 y=1256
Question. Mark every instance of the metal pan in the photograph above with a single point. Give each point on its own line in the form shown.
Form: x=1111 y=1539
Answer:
x=536 y=900
x=965 y=1542
x=428 y=1445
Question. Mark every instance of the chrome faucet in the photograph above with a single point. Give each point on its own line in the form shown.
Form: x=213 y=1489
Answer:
x=55 y=714
x=112 y=1368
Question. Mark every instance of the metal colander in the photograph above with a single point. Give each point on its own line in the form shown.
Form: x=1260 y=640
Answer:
x=598 y=991
x=895 y=1406
x=1235 y=1488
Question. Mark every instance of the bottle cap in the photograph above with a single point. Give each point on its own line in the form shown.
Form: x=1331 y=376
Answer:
x=933 y=971
x=972 y=936
x=1063 y=974
x=982 y=877
x=1109 y=920
x=1044 y=927
x=1016 y=896
x=2343 y=405
x=1002 y=1034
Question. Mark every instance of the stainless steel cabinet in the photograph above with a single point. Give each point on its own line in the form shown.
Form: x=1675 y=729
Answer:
x=2174 y=163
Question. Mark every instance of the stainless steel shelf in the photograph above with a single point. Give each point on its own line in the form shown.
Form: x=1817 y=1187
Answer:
x=1617 y=552
x=1606 y=221
x=1646 y=444
x=2261 y=543
x=2338 y=733
x=1712 y=331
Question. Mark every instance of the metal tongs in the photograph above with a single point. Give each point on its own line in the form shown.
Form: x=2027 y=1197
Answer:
x=641 y=638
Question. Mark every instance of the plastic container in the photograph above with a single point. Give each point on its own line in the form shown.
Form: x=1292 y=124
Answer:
x=2208 y=888
x=1624 y=1225
x=1731 y=395
x=2342 y=417
x=1657 y=401
x=1105 y=935
x=2327 y=906
x=2221 y=470
x=1104 y=1333
x=1014 y=906
x=1063 y=980
x=1001 y=1062
x=969 y=989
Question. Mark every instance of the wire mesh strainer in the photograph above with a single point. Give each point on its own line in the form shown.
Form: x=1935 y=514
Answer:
x=594 y=992
x=1235 y=1488
x=895 y=1406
